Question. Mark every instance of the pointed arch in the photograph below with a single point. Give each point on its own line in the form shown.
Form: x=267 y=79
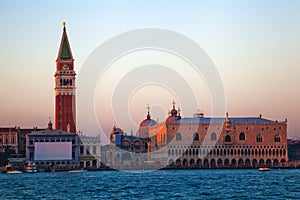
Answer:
x=178 y=136
x=213 y=136
x=277 y=138
x=195 y=136
x=242 y=136
x=227 y=138
x=259 y=138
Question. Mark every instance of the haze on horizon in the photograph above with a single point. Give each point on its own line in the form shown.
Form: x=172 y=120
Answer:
x=254 y=45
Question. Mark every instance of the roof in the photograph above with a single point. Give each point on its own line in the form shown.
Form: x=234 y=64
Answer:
x=8 y=129
x=18 y=129
x=129 y=137
x=148 y=122
x=28 y=130
x=64 y=49
x=51 y=132
x=219 y=120
x=85 y=138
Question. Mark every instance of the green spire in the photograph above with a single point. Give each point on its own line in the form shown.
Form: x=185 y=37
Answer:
x=65 y=51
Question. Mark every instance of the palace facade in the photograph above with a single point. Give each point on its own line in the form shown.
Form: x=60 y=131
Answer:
x=208 y=142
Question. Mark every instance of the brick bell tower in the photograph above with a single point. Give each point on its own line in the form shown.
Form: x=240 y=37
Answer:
x=65 y=107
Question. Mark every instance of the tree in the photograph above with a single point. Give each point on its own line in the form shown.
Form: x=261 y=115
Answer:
x=5 y=155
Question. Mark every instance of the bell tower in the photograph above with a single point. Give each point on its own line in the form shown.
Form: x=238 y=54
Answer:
x=65 y=107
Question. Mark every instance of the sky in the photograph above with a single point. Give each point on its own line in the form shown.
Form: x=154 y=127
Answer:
x=254 y=45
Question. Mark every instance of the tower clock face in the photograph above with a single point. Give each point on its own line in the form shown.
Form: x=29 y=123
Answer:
x=65 y=67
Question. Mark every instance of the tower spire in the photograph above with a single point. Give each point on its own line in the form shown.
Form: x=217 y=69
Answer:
x=64 y=52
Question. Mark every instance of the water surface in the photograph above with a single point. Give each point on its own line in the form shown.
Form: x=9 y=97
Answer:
x=180 y=184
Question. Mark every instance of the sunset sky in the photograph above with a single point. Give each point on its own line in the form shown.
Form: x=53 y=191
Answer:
x=255 y=46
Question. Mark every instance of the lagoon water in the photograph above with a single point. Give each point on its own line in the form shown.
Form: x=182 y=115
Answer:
x=163 y=184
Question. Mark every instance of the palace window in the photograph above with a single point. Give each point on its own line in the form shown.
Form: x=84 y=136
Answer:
x=88 y=151
x=227 y=138
x=276 y=138
x=178 y=137
x=196 y=137
x=81 y=150
x=242 y=136
x=259 y=138
x=213 y=136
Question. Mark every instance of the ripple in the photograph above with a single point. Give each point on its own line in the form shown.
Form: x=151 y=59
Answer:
x=177 y=184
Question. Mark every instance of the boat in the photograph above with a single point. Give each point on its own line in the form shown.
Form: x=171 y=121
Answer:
x=264 y=169
x=14 y=172
x=10 y=170
x=30 y=167
x=77 y=170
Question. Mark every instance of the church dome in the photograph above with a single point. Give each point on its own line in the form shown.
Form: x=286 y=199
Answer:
x=174 y=114
x=148 y=121
x=171 y=119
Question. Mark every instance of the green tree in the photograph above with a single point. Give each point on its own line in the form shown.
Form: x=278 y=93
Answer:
x=5 y=155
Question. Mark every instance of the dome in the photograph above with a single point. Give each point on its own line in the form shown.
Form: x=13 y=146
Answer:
x=171 y=119
x=174 y=114
x=148 y=122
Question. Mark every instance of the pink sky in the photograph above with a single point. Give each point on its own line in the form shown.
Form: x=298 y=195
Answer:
x=255 y=48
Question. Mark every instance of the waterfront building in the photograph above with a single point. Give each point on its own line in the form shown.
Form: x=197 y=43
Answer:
x=212 y=142
x=105 y=155
x=22 y=132
x=13 y=146
x=89 y=152
x=52 y=149
x=14 y=139
x=128 y=151
x=9 y=139
x=294 y=153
